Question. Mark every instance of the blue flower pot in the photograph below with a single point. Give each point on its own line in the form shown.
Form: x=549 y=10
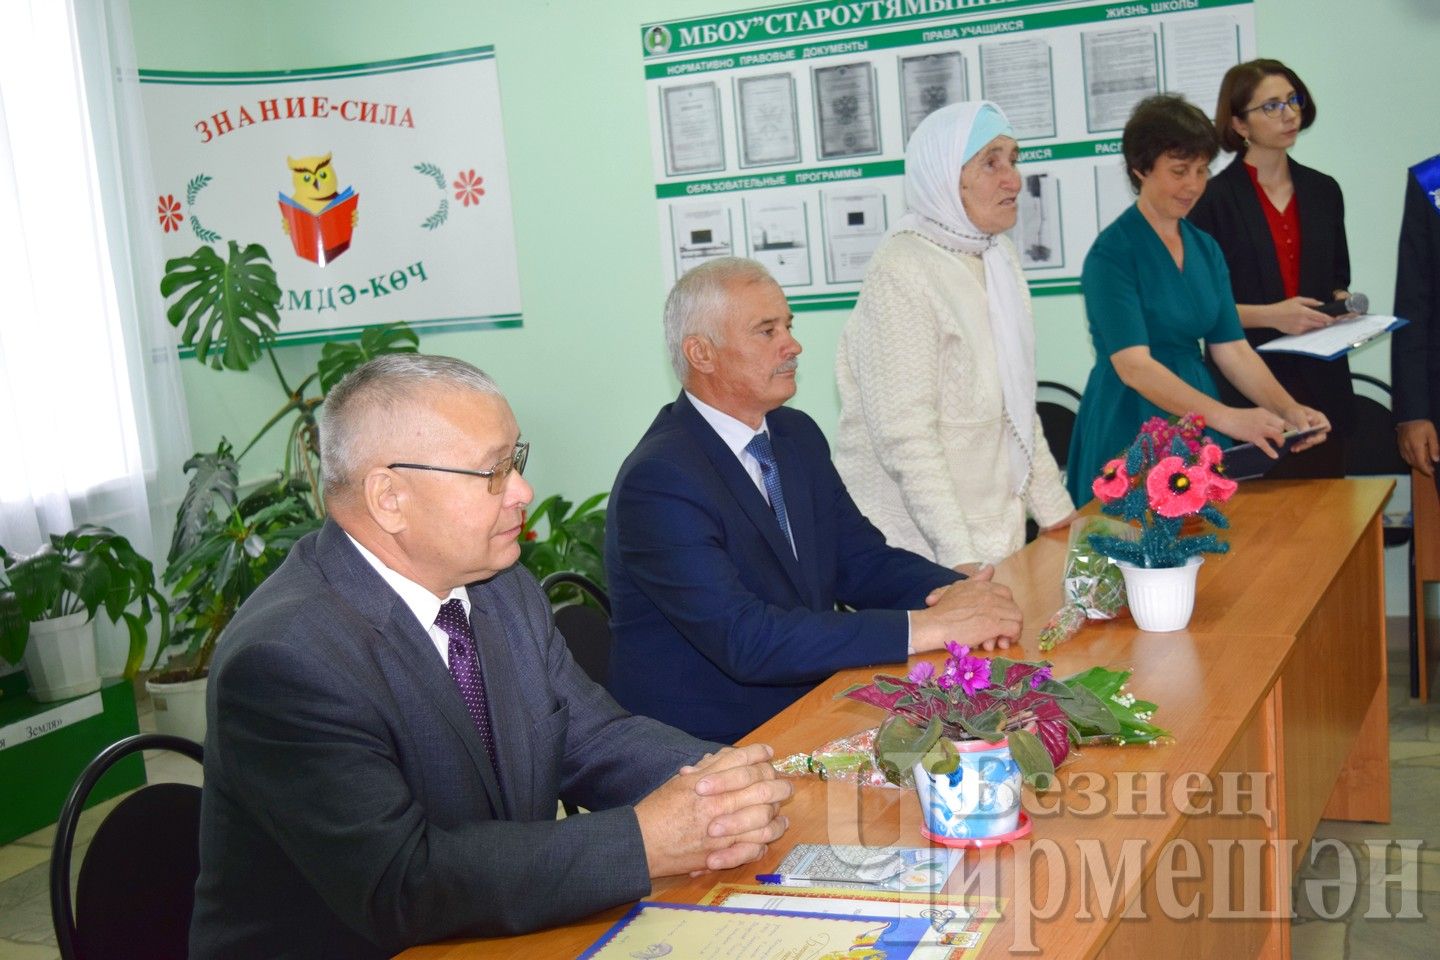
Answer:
x=980 y=799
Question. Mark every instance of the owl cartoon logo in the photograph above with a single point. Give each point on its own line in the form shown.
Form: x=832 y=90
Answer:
x=319 y=218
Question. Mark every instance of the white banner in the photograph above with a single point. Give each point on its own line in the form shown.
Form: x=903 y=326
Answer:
x=32 y=728
x=380 y=190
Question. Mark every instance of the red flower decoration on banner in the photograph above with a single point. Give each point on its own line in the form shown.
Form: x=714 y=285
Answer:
x=1113 y=481
x=1220 y=487
x=468 y=189
x=1175 y=489
x=169 y=210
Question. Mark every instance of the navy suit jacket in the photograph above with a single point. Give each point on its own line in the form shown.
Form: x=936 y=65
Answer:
x=350 y=808
x=717 y=625
x=1415 y=348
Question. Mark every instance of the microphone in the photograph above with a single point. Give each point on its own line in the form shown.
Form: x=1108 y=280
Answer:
x=1355 y=303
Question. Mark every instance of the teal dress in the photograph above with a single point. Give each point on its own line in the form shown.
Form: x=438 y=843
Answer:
x=1136 y=296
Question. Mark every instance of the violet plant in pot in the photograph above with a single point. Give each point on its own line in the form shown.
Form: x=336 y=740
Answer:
x=971 y=733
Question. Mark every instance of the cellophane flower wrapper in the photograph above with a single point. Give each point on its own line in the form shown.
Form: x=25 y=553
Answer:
x=1094 y=586
x=849 y=758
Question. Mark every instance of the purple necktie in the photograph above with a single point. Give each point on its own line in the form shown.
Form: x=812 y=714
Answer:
x=465 y=668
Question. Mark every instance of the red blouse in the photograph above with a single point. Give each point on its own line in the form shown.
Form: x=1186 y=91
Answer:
x=1284 y=232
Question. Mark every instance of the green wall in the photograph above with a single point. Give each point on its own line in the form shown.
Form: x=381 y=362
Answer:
x=587 y=371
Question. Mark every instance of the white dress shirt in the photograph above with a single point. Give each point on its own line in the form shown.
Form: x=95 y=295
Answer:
x=737 y=435
x=424 y=604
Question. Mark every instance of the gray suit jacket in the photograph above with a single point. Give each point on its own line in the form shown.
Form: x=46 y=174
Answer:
x=350 y=809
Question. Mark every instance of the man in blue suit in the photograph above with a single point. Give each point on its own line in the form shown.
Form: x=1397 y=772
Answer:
x=392 y=715
x=731 y=537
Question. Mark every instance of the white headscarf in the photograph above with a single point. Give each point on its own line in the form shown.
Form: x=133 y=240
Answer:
x=939 y=147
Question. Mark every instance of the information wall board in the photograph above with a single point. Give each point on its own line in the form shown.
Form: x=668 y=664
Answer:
x=779 y=133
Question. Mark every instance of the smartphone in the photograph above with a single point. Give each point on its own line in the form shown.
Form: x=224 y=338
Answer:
x=1245 y=461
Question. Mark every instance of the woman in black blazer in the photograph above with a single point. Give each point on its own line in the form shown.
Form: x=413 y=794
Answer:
x=1281 y=227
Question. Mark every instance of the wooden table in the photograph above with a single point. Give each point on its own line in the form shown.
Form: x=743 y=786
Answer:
x=1276 y=695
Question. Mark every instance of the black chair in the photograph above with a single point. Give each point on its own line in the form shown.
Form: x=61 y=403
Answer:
x=136 y=888
x=1371 y=449
x=1057 y=406
x=586 y=628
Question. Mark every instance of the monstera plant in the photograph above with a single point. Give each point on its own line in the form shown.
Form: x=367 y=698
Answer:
x=225 y=545
x=228 y=312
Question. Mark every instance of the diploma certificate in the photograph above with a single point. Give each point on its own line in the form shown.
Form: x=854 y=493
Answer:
x=845 y=110
x=769 y=128
x=694 y=138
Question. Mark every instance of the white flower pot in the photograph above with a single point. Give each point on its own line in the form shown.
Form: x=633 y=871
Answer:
x=1161 y=598
x=179 y=707
x=60 y=658
x=980 y=799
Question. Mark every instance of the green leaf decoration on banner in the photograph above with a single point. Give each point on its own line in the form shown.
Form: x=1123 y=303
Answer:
x=197 y=183
x=232 y=300
x=205 y=235
x=438 y=217
x=338 y=359
x=433 y=172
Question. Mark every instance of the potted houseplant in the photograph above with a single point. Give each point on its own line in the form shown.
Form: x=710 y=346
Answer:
x=966 y=735
x=574 y=541
x=48 y=600
x=1171 y=476
x=225 y=545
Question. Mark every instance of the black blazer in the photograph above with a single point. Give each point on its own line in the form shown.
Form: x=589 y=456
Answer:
x=1415 y=347
x=1230 y=212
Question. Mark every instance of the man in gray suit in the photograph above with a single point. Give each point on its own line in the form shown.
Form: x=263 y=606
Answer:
x=392 y=715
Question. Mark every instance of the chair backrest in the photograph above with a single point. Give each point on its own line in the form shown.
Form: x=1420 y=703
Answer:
x=136 y=888
x=586 y=628
x=1057 y=406
x=1370 y=449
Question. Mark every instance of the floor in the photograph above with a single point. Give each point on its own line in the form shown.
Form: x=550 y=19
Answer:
x=1343 y=912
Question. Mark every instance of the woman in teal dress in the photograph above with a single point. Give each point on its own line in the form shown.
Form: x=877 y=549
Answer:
x=1155 y=286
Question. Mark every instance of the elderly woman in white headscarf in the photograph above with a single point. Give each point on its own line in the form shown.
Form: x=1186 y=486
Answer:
x=939 y=443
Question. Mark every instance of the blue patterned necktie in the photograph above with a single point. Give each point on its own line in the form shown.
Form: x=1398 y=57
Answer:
x=759 y=448
x=465 y=668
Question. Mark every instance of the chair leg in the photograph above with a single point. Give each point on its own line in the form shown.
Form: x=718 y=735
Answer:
x=1418 y=680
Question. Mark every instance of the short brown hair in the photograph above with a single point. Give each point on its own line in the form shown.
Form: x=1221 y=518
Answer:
x=1239 y=86
x=1165 y=124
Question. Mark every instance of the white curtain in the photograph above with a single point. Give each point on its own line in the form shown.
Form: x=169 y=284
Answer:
x=92 y=412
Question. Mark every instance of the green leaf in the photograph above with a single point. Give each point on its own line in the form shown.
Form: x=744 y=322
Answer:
x=1088 y=712
x=338 y=359
x=211 y=494
x=232 y=300
x=37 y=583
x=899 y=744
x=14 y=627
x=1031 y=756
x=942 y=758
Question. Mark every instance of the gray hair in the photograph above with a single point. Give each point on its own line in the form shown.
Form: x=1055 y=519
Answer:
x=374 y=402
x=698 y=300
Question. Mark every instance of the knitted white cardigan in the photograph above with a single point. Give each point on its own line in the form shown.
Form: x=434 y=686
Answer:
x=921 y=443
